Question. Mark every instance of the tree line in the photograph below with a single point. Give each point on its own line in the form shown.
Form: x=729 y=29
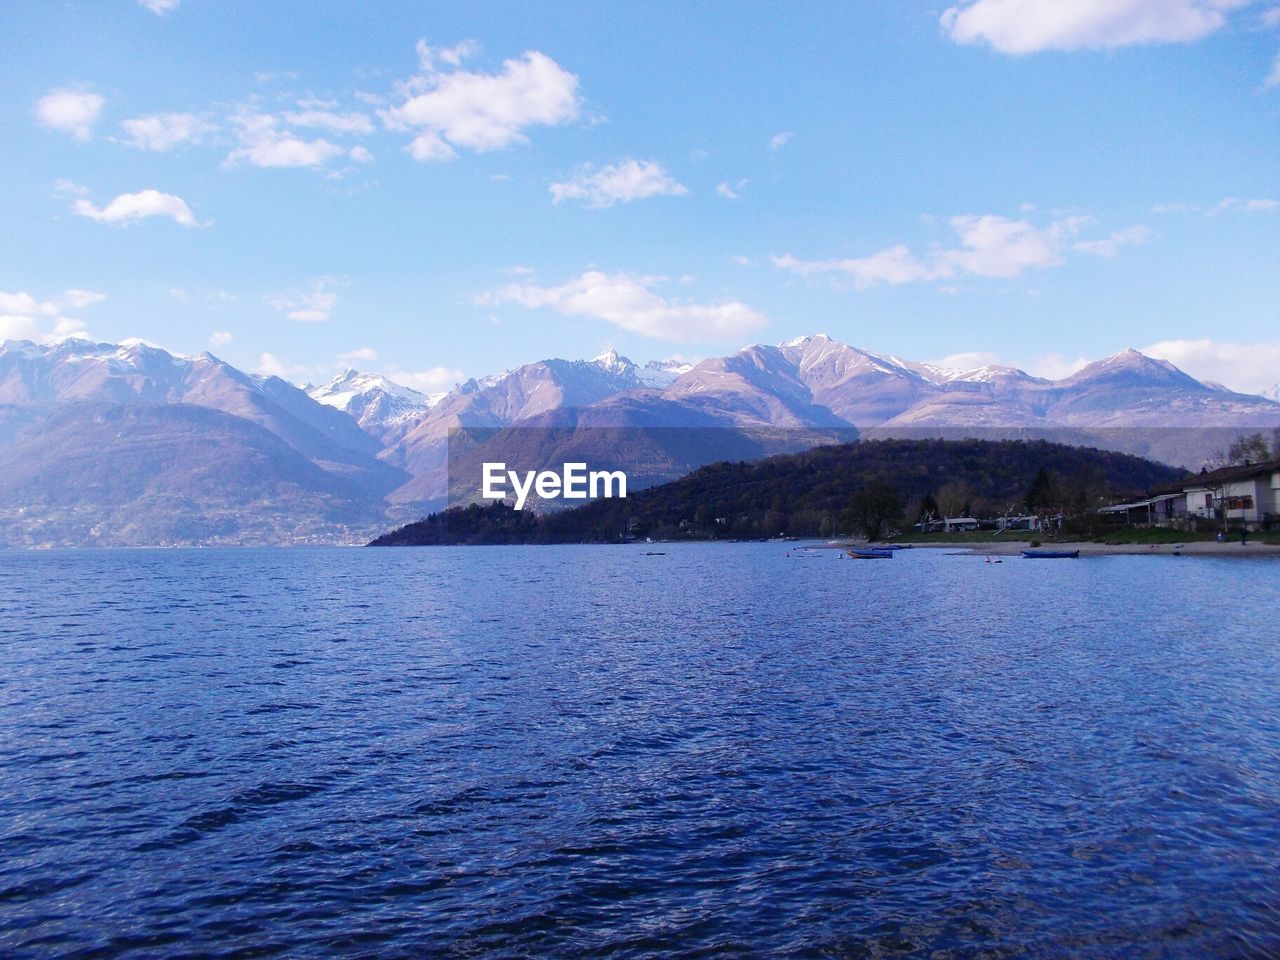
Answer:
x=867 y=488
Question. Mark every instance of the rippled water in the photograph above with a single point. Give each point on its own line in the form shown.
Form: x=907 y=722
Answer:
x=569 y=751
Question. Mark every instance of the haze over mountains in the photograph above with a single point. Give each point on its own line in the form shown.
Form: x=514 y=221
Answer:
x=129 y=444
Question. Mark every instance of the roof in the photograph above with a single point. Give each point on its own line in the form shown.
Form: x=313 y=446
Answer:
x=1209 y=478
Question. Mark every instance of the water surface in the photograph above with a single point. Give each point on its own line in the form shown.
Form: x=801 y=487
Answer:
x=565 y=751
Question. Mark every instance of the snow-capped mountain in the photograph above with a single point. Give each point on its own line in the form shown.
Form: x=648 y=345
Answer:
x=129 y=443
x=377 y=403
x=662 y=373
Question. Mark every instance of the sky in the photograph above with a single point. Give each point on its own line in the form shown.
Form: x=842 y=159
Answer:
x=440 y=191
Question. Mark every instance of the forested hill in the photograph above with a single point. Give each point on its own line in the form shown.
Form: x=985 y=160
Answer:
x=822 y=492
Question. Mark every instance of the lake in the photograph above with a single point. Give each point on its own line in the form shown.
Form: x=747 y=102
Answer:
x=569 y=751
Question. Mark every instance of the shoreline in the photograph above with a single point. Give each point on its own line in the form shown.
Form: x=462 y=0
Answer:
x=1087 y=548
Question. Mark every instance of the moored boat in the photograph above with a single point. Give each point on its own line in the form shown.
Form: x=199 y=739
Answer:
x=871 y=554
x=1051 y=554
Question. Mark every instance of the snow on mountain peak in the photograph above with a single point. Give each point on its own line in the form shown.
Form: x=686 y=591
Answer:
x=613 y=363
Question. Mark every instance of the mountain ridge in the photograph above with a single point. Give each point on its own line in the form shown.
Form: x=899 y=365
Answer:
x=387 y=445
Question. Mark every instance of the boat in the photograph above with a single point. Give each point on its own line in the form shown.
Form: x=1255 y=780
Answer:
x=1051 y=554
x=871 y=554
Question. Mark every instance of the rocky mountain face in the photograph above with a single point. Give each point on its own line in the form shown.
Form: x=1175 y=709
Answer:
x=127 y=443
x=818 y=387
x=381 y=408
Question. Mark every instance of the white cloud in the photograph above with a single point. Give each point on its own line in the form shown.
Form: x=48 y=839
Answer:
x=24 y=304
x=1273 y=76
x=1054 y=366
x=360 y=155
x=1110 y=246
x=619 y=183
x=731 y=191
x=456 y=108
x=1246 y=367
x=1261 y=205
x=24 y=317
x=1029 y=26
x=264 y=144
x=992 y=246
x=132 y=207
x=219 y=339
x=894 y=265
x=431 y=380
x=160 y=7
x=630 y=303
x=314 y=305
x=968 y=361
x=359 y=355
x=71 y=111
x=77 y=299
x=989 y=246
x=338 y=123
x=780 y=140
x=269 y=365
x=162 y=132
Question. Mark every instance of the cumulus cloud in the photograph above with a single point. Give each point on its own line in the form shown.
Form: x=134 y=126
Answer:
x=132 y=207
x=431 y=380
x=313 y=305
x=25 y=317
x=968 y=361
x=1257 y=205
x=336 y=123
x=894 y=265
x=264 y=143
x=731 y=191
x=160 y=7
x=449 y=108
x=988 y=246
x=1055 y=366
x=1273 y=77
x=78 y=299
x=219 y=339
x=780 y=140
x=1246 y=367
x=161 y=132
x=269 y=365
x=70 y=111
x=631 y=303
x=1029 y=26
x=1110 y=246
x=357 y=356
x=618 y=183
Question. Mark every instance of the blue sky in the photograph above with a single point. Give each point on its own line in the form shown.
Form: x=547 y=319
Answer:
x=438 y=190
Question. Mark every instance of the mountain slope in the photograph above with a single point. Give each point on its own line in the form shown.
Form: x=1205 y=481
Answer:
x=381 y=407
x=134 y=372
x=128 y=474
x=806 y=494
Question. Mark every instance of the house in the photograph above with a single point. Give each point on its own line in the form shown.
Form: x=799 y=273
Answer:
x=1246 y=495
x=1028 y=521
x=1158 y=510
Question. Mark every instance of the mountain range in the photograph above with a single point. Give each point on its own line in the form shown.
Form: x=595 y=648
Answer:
x=130 y=444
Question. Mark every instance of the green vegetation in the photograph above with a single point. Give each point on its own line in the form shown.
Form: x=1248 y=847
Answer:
x=869 y=488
